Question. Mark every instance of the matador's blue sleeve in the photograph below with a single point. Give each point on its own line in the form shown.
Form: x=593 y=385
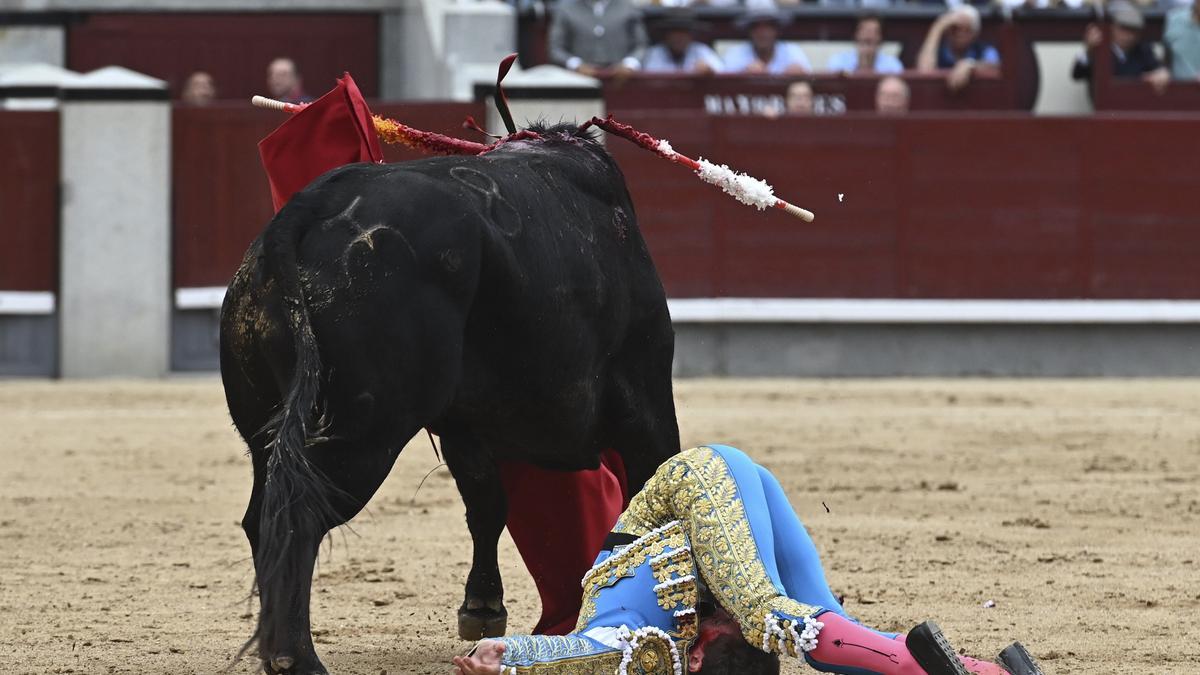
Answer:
x=644 y=652
x=717 y=495
x=556 y=654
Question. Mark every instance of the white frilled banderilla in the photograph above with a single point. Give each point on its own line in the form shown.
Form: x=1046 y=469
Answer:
x=746 y=189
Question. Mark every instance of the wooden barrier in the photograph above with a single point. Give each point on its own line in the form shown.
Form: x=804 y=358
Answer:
x=234 y=48
x=1135 y=95
x=927 y=206
x=221 y=197
x=29 y=201
x=931 y=206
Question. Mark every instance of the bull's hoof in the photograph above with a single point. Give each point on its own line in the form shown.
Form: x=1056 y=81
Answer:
x=482 y=622
x=288 y=665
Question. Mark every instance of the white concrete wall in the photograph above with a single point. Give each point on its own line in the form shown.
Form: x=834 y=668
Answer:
x=1058 y=94
x=936 y=350
x=115 y=239
x=32 y=44
x=436 y=49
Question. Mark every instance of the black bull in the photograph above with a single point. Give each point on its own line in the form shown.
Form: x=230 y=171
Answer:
x=506 y=301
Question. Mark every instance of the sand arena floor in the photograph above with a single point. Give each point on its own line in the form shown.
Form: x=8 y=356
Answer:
x=1073 y=505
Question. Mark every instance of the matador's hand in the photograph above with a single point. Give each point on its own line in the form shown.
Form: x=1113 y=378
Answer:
x=485 y=660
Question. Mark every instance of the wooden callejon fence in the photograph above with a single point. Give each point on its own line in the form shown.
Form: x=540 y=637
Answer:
x=28 y=241
x=930 y=219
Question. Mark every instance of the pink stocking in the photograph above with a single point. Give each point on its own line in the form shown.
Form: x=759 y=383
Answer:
x=845 y=644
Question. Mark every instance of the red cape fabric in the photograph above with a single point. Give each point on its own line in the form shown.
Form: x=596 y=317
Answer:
x=333 y=130
x=559 y=520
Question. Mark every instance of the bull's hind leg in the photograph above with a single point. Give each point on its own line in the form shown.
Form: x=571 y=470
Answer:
x=482 y=613
x=354 y=470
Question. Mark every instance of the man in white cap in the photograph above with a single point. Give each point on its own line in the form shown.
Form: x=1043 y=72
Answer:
x=1132 y=57
x=953 y=44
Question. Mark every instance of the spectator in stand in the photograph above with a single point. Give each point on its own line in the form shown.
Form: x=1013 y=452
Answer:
x=866 y=56
x=953 y=44
x=1182 y=39
x=597 y=37
x=800 y=98
x=1132 y=56
x=199 y=89
x=891 y=96
x=1045 y=4
x=764 y=53
x=284 y=83
x=690 y=3
x=680 y=52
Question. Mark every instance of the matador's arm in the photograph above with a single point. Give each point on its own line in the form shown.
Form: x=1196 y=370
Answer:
x=641 y=652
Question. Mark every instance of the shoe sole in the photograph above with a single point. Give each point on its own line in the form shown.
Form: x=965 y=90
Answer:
x=1019 y=661
x=932 y=651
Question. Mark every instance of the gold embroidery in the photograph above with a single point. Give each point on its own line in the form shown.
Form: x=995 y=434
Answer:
x=686 y=624
x=623 y=564
x=587 y=610
x=648 y=659
x=677 y=563
x=696 y=487
x=653 y=655
x=679 y=593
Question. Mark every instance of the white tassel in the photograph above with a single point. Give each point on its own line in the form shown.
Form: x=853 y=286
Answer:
x=808 y=637
x=746 y=189
x=805 y=640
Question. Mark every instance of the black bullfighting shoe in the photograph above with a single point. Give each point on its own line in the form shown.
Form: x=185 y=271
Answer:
x=1018 y=661
x=932 y=650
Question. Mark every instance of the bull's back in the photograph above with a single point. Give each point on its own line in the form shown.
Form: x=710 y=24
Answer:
x=537 y=252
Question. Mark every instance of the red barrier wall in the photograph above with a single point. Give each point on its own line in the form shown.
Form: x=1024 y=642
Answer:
x=28 y=201
x=934 y=206
x=234 y=48
x=986 y=206
x=221 y=197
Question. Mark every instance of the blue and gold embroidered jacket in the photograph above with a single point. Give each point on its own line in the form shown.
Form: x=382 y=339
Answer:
x=639 y=601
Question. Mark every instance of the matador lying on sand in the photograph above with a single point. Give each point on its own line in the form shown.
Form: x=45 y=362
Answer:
x=713 y=524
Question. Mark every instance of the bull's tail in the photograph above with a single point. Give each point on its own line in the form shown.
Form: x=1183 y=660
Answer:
x=296 y=497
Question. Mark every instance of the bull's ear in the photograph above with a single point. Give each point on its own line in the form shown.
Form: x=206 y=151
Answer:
x=499 y=97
